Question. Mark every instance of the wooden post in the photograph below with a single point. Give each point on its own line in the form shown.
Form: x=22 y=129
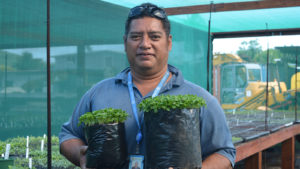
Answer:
x=288 y=154
x=254 y=161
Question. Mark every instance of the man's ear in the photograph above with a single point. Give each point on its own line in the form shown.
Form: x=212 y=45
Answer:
x=170 y=42
x=125 y=40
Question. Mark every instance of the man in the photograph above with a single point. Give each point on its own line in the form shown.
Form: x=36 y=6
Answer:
x=136 y=166
x=147 y=43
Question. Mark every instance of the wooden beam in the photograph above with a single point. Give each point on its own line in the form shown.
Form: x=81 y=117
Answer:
x=270 y=32
x=235 y=6
x=250 y=148
x=254 y=161
x=288 y=154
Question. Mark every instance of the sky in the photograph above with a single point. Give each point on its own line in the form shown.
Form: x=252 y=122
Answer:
x=231 y=45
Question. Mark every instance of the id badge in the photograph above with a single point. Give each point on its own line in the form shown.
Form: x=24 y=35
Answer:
x=136 y=162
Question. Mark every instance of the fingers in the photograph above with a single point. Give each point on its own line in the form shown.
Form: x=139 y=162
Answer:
x=83 y=150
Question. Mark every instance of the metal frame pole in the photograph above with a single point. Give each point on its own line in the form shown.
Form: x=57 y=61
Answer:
x=267 y=87
x=49 y=145
x=296 y=90
x=208 y=49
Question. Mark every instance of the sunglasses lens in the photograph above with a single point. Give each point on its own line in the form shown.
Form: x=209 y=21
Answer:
x=159 y=14
x=136 y=11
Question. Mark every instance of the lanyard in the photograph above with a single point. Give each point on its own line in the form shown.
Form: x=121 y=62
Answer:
x=133 y=103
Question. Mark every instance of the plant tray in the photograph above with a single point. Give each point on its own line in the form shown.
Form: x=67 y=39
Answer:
x=5 y=163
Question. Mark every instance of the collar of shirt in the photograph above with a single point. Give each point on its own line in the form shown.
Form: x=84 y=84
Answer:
x=177 y=78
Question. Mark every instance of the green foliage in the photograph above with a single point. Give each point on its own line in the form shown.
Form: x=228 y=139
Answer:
x=18 y=144
x=236 y=139
x=248 y=50
x=274 y=55
x=168 y=102
x=2 y=147
x=39 y=158
x=27 y=62
x=251 y=51
x=8 y=68
x=104 y=116
x=11 y=60
x=36 y=85
x=54 y=140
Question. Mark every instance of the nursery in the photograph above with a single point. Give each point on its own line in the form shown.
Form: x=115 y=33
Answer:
x=243 y=52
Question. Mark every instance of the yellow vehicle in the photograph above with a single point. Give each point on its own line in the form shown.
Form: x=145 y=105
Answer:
x=240 y=85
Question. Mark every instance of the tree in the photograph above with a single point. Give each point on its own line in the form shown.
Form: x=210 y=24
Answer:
x=27 y=62
x=274 y=56
x=248 y=50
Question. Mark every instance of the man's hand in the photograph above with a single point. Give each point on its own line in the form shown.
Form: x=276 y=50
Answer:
x=216 y=161
x=82 y=158
x=74 y=150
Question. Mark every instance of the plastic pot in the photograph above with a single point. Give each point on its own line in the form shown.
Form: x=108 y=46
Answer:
x=173 y=139
x=106 y=146
x=5 y=163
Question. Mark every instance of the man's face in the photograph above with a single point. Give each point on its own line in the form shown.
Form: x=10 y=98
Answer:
x=147 y=45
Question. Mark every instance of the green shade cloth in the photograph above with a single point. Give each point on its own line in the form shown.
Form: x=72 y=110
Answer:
x=86 y=47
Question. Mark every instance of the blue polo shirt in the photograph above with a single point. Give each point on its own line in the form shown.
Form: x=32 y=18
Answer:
x=113 y=92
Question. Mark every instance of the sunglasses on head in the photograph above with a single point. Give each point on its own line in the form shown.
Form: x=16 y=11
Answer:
x=154 y=11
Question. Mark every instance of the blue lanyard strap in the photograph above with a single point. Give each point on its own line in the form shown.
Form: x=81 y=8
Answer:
x=133 y=103
x=160 y=84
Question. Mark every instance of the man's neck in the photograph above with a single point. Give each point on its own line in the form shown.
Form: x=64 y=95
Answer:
x=147 y=81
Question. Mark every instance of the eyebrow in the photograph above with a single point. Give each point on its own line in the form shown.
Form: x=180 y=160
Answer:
x=156 y=32
x=151 y=32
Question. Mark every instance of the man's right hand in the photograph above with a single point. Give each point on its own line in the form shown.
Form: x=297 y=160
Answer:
x=75 y=151
x=82 y=157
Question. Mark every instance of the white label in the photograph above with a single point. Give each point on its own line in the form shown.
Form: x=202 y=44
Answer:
x=27 y=153
x=30 y=163
x=42 y=145
x=248 y=93
x=44 y=136
x=27 y=142
x=7 y=151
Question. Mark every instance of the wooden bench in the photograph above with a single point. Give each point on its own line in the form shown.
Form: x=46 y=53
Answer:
x=251 y=151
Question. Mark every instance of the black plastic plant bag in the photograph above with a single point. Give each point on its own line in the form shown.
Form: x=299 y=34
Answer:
x=173 y=139
x=106 y=146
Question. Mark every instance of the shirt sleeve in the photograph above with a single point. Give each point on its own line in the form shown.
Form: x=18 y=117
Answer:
x=71 y=129
x=215 y=134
